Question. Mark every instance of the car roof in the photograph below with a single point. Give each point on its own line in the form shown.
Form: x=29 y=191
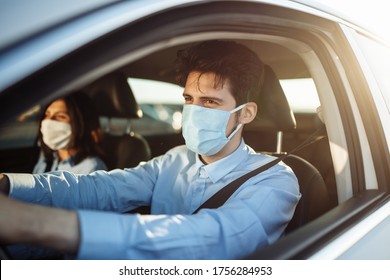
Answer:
x=51 y=37
x=21 y=19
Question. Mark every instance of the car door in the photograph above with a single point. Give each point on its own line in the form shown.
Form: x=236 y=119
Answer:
x=354 y=100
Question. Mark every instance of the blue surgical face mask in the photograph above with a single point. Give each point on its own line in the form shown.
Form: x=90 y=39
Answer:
x=204 y=129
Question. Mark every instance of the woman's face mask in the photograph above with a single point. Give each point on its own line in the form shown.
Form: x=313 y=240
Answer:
x=204 y=129
x=55 y=134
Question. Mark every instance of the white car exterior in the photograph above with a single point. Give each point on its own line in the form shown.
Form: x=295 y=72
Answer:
x=349 y=66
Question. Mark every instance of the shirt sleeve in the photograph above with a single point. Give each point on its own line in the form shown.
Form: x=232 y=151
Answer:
x=117 y=190
x=253 y=218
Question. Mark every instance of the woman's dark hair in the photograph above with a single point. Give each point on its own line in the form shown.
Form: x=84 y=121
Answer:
x=230 y=61
x=83 y=120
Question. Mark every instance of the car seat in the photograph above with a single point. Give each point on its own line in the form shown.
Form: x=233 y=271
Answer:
x=116 y=106
x=275 y=112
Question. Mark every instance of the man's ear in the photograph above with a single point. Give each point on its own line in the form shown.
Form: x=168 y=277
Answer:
x=248 y=113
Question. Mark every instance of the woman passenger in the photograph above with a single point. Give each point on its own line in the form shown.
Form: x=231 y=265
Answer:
x=68 y=136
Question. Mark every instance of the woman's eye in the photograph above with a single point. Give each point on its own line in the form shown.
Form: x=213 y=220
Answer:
x=62 y=117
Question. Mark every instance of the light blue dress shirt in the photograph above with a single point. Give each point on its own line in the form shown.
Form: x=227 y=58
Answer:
x=175 y=185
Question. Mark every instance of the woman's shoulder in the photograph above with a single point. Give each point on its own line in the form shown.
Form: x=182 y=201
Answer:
x=89 y=164
x=97 y=162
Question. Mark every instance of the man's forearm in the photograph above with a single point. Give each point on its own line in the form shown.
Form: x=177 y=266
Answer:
x=38 y=225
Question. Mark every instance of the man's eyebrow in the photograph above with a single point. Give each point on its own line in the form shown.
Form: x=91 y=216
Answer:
x=215 y=98
x=212 y=97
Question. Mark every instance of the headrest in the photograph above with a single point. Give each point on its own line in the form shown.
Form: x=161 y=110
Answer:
x=114 y=98
x=272 y=105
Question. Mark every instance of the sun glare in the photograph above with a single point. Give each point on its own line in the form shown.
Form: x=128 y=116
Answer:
x=373 y=14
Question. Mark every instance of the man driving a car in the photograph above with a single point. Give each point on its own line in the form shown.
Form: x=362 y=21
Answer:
x=83 y=215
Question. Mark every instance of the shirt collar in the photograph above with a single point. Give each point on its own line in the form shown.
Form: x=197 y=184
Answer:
x=222 y=167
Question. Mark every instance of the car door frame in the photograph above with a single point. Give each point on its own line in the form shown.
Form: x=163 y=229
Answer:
x=187 y=22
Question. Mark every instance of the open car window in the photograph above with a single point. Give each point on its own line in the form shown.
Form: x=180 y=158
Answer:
x=162 y=101
x=320 y=59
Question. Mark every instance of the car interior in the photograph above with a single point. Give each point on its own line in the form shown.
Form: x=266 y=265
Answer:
x=276 y=130
x=276 y=123
x=323 y=108
x=113 y=99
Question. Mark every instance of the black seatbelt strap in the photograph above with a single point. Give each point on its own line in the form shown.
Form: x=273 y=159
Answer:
x=220 y=197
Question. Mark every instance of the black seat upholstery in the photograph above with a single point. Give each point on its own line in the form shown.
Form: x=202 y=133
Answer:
x=115 y=103
x=124 y=151
x=315 y=199
x=273 y=108
x=275 y=111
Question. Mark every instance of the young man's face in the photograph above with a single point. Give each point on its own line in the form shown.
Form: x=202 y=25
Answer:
x=200 y=90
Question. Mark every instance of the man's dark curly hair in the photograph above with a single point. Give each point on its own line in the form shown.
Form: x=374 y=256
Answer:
x=231 y=62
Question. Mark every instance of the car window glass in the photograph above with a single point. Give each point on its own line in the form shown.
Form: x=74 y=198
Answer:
x=161 y=111
x=301 y=95
x=21 y=132
x=378 y=58
x=162 y=102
